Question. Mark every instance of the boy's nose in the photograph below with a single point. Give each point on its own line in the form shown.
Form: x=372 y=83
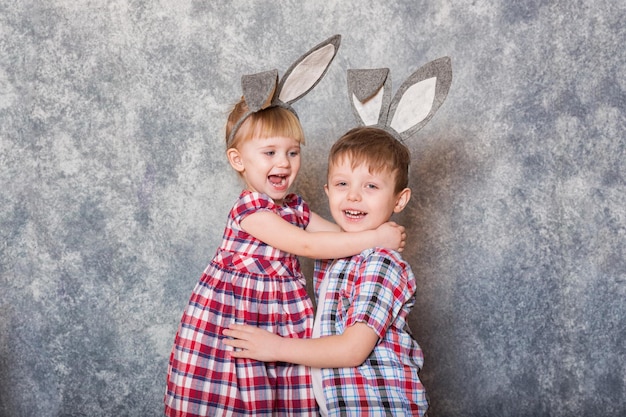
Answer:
x=354 y=194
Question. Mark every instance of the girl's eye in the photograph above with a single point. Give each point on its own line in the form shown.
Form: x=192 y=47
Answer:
x=294 y=153
x=270 y=153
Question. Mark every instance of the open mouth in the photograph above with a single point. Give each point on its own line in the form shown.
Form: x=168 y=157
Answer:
x=278 y=180
x=353 y=214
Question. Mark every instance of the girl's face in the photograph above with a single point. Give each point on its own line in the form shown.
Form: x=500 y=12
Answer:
x=360 y=200
x=268 y=165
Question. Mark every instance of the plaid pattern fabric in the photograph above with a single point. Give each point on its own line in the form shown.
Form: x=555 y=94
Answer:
x=375 y=287
x=246 y=282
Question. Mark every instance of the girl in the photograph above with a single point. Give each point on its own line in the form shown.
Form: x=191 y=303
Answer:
x=255 y=278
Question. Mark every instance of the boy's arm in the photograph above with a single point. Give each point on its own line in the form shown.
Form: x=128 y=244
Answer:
x=346 y=350
x=275 y=231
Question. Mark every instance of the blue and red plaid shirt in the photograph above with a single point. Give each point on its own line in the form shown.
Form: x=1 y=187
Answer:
x=377 y=288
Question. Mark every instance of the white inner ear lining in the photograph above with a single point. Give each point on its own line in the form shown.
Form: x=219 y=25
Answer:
x=306 y=73
x=369 y=110
x=414 y=105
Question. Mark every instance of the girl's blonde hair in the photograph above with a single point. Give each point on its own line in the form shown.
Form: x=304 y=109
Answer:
x=269 y=122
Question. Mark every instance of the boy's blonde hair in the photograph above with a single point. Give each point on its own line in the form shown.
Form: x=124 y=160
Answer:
x=270 y=122
x=376 y=148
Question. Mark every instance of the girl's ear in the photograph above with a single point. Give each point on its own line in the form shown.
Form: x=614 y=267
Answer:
x=234 y=157
x=402 y=200
x=326 y=189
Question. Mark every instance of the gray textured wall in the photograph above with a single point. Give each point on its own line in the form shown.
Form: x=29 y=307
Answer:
x=115 y=190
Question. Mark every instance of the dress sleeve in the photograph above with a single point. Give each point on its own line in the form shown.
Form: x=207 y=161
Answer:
x=380 y=290
x=251 y=202
x=300 y=208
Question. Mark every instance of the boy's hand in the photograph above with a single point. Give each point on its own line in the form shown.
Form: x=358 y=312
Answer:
x=393 y=236
x=252 y=343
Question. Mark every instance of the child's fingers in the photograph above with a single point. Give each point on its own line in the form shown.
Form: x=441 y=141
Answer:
x=239 y=354
x=240 y=328
x=240 y=348
x=234 y=338
x=235 y=331
x=236 y=334
x=236 y=343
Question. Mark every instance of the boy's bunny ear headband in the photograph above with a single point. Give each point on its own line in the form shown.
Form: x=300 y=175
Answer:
x=263 y=90
x=415 y=103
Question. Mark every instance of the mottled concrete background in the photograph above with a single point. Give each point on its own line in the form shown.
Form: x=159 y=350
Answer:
x=115 y=189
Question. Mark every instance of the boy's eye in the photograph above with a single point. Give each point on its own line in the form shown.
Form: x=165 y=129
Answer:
x=294 y=153
x=270 y=153
x=372 y=186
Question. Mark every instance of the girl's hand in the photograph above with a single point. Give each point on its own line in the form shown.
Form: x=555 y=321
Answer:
x=253 y=343
x=392 y=236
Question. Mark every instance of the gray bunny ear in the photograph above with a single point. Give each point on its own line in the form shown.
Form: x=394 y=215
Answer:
x=308 y=70
x=420 y=96
x=369 y=93
x=258 y=89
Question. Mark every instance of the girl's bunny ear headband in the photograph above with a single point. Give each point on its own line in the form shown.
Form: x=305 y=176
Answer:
x=263 y=90
x=414 y=104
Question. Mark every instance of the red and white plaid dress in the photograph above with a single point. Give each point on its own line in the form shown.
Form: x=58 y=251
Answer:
x=246 y=282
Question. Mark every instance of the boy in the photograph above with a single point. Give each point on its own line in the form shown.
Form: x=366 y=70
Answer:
x=365 y=361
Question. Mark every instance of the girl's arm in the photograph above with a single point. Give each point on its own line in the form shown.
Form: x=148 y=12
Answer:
x=348 y=349
x=319 y=224
x=270 y=228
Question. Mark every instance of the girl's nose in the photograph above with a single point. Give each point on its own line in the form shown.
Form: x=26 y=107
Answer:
x=283 y=161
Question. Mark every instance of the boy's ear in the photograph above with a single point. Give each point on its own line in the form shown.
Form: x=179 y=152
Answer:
x=326 y=189
x=402 y=200
x=234 y=157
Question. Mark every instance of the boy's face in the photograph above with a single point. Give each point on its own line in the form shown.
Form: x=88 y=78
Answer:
x=360 y=200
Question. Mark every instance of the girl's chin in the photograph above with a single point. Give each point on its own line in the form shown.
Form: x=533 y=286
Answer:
x=277 y=196
x=279 y=191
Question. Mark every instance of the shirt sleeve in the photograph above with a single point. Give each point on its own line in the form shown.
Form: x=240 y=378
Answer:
x=380 y=290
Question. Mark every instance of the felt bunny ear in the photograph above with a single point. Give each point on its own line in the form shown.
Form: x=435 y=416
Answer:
x=414 y=104
x=258 y=89
x=308 y=70
x=263 y=90
x=370 y=92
